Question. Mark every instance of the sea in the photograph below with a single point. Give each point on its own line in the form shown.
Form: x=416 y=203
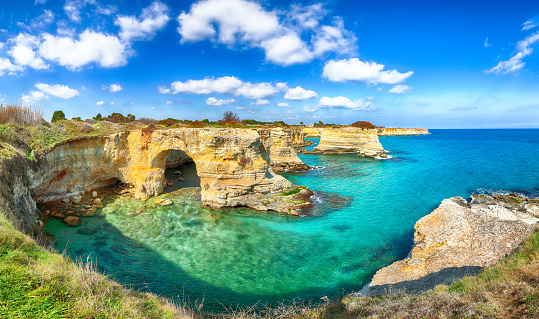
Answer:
x=362 y=220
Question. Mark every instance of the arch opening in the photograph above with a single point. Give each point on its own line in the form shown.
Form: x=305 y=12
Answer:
x=180 y=171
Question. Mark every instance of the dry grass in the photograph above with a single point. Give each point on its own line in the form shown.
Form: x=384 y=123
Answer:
x=21 y=115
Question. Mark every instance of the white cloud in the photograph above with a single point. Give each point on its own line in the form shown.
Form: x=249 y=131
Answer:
x=152 y=107
x=112 y=103
x=6 y=65
x=246 y=22
x=163 y=90
x=308 y=109
x=169 y=102
x=528 y=25
x=42 y=20
x=487 y=44
x=23 y=53
x=73 y=8
x=226 y=84
x=356 y=70
x=344 y=102
x=91 y=47
x=40 y=1
x=240 y=108
x=289 y=112
x=153 y=18
x=115 y=88
x=33 y=97
x=400 y=89
x=283 y=105
x=260 y=102
x=215 y=102
x=299 y=93
x=63 y=91
x=258 y=90
x=515 y=63
x=100 y=103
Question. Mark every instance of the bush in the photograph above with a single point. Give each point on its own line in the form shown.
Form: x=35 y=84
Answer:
x=58 y=116
x=363 y=125
x=21 y=115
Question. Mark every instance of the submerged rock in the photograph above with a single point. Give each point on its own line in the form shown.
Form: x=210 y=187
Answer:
x=72 y=221
x=163 y=202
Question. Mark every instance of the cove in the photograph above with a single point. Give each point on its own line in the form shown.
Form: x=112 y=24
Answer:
x=238 y=257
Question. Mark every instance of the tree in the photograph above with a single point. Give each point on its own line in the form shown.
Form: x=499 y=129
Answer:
x=300 y=123
x=229 y=117
x=58 y=116
x=98 y=117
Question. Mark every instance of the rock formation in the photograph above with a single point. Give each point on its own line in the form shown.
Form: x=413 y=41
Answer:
x=458 y=239
x=279 y=142
x=313 y=131
x=350 y=140
x=385 y=131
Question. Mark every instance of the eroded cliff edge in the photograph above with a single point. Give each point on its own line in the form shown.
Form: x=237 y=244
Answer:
x=363 y=142
x=231 y=163
x=387 y=131
x=458 y=239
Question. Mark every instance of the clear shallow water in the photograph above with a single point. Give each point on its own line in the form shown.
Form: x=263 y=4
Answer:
x=240 y=257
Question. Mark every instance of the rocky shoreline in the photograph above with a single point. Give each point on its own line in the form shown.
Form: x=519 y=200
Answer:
x=458 y=239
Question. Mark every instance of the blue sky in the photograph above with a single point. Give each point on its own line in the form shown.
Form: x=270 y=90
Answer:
x=435 y=64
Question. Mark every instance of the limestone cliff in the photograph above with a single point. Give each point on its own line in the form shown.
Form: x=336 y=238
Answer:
x=229 y=163
x=313 y=131
x=279 y=142
x=350 y=140
x=402 y=131
x=458 y=239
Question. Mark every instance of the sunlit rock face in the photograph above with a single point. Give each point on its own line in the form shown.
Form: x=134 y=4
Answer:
x=229 y=163
x=279 y=143
x=350 y=140
x=386 y=131
x=313 y=131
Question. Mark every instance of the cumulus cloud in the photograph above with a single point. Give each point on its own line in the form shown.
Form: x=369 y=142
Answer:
x=100 y=103
x=73 y=8
x=91 y=47
x=344 y=102
x=400 y=89
x=261 y=102
x=299 y=93
x=528 y=25
x=153 y=18
x=245 y=22
x=356 y=70
x=62 y=91
x=226 y=84
x=169 y=102
x=33 y=97
x=22 y=51
x=215 y=102
x=46 y=18
x=240 y=108
x=112 y=103
x=310 y=109
x=283 y=105
x=113 y=88
x=6 y=65
x=515 y=63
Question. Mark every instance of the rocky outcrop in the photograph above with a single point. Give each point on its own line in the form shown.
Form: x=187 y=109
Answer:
x=350 y=140
x=387 y=131
x=313 y=131
x=458 y=239
x=177 y=158
x=229 y=163
x=279 y=142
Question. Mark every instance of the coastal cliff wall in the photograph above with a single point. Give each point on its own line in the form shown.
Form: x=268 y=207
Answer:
x=279 y=142
x=385 y=131
x=350 y=140
x=313 y=131
x=229 y=163
x=458 y=239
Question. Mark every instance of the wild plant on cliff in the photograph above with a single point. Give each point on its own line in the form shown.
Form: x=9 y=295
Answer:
x=21 y=115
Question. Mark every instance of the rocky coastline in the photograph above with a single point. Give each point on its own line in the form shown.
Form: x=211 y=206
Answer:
x=343 y=140
x=458 y=239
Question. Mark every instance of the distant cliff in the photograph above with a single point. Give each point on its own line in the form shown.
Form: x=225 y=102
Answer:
x=364 y=142
x=313 y=131
x=402 y=131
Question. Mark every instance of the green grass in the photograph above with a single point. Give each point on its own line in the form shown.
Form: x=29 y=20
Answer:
x=292 y=191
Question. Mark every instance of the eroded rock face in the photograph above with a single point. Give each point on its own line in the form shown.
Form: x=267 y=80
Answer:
x=402 y=131
x=458 y=239
x=229 y=163
x=350 y=140
x=279 y=144
x=313 y=131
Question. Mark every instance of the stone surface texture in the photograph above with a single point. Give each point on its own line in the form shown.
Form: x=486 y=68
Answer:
x=350 y=140
x=387 y=131
x=458 y=239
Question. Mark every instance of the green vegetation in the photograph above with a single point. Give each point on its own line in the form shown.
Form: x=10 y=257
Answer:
x=292 y=191
x=363 y=125
x=58 y=116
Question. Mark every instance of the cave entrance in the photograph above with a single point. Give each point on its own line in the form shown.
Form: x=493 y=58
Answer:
x=180 y=171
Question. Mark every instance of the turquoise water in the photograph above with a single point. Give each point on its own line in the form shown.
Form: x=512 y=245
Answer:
x=239 y=257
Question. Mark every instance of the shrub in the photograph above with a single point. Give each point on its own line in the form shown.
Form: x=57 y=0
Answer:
x=363 y=125
x=21 y=115
x=58 y=116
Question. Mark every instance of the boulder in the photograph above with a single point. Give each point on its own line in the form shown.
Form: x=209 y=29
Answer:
x=72 y=221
